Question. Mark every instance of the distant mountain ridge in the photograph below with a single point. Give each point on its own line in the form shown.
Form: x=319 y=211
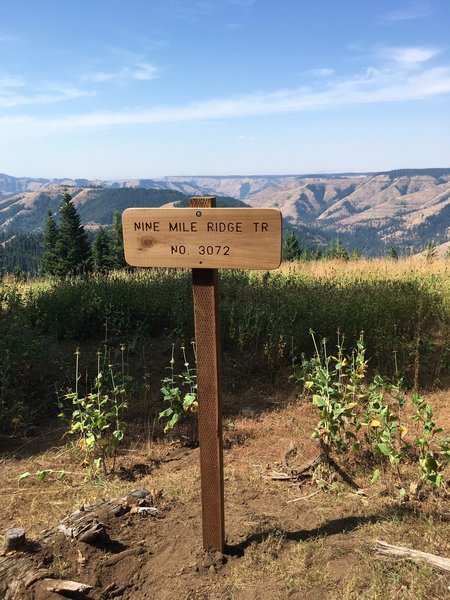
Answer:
x=405 y=208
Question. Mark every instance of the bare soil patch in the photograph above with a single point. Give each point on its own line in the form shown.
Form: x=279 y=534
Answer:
x=285 y=538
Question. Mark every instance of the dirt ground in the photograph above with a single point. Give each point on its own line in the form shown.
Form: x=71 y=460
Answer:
x=284 y=539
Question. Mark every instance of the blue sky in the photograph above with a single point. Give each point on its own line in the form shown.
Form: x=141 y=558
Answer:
x=147 y=88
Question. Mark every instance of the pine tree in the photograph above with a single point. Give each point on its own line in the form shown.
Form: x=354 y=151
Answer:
x=392 y=253
x=431 y=251
x=102 y=251
x=117 y=253
x=49 y=260
x=291 y=249
x=72 y=247
x=337 y=250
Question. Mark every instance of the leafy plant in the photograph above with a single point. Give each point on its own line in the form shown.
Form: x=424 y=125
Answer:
x=432 y=460
x=335 y=384
x=385 y=434
x=369 y=418
x=43 y=474
x=96 y=418
x=180 y=391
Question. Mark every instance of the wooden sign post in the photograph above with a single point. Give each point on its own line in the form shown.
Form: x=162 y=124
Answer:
x=205 y=239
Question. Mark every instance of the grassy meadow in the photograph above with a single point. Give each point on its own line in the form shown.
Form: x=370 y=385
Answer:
x=290 y=537
x=403 y=308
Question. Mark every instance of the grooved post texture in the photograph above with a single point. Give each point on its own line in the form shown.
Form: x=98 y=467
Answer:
x=206 y=316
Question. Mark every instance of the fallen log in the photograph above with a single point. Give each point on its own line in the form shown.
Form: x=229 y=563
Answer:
x=415 y=555
x=18 y=571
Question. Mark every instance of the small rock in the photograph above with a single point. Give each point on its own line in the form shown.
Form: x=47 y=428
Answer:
x=248 y=411
x=145 y=510
x=219 y=558
x=140 y=493
x=212 y=569
x=208 y=562
x=14 y=539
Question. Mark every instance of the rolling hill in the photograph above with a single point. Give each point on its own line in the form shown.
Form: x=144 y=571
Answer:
x=404 y=208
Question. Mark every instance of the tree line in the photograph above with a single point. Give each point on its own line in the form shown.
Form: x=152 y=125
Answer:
x=66 y=247
x=294 y=250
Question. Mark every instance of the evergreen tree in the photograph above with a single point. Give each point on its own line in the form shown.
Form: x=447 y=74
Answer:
x=392 y=253
x=72 y=247
x=431 y=251
x=48 y=265
x=291 y=249
x=337 y=250
x=117 y=253
x=102 y=251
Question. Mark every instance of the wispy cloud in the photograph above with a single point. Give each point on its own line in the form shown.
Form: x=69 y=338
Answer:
x=409 y=56
x=323 y=72
x=10 y=81
x=16 y=91
x=199 y=8
x=141 y=71
x=413 y=10
x=390 y=82
x=9 y=98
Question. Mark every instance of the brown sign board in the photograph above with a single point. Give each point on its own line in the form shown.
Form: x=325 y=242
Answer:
x=203 y=238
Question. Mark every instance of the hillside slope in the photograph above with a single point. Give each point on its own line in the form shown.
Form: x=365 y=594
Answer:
x=405 y=208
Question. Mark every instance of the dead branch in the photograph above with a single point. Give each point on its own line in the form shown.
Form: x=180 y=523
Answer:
x=61 y=586
x=280 y=476
x=311 y=495
x=415 y=555
x=309 y=465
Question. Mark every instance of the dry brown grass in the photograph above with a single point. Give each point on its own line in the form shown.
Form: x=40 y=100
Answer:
x=320 y=547
x=376 y=267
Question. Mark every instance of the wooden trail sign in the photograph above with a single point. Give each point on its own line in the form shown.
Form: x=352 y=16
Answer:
x=205 y=239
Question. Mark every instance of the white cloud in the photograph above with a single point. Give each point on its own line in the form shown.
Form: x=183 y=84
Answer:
x=9 y=99
x=323 y=72
x=9 y=81
x=141 y=71
x=391 y=82
x=413 y=10
x=409 y=56
x=145 y=72
x=192 y=10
